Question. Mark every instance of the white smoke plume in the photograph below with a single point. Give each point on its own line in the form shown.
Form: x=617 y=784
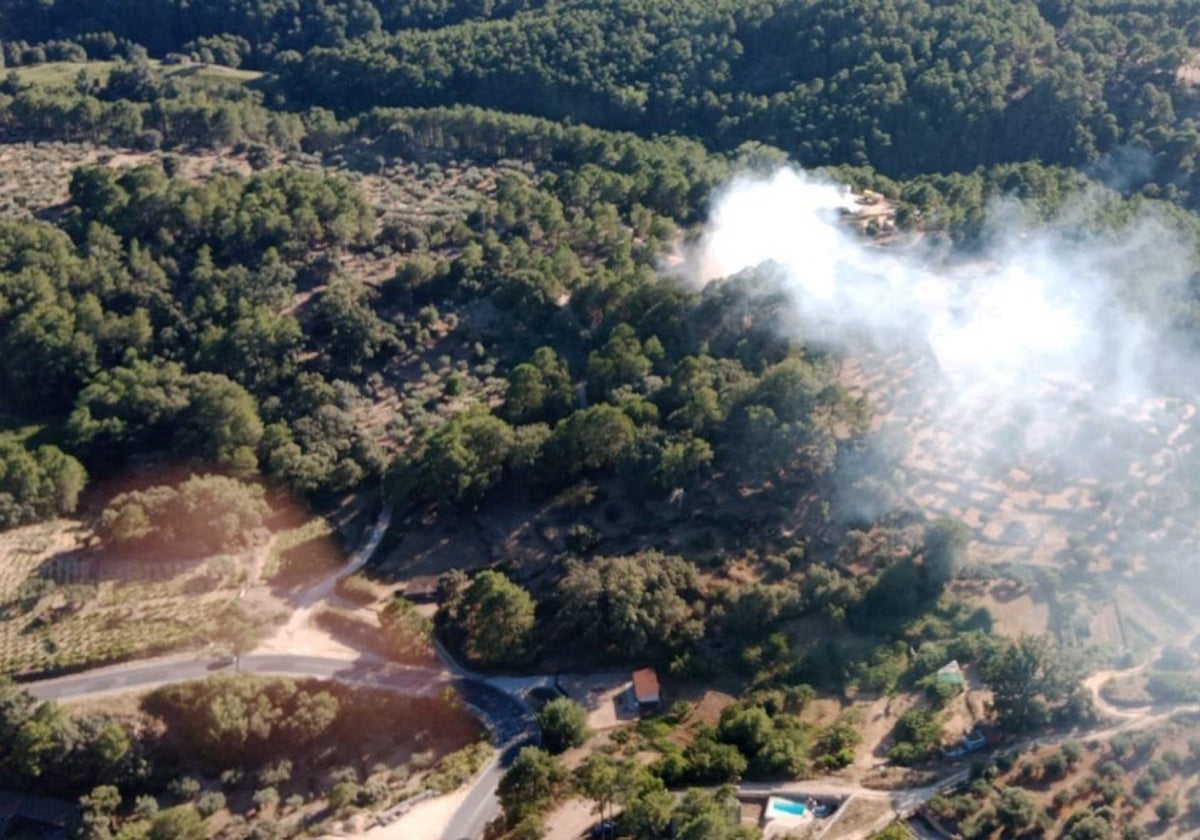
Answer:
x=1031 y=306
x=1039 y=351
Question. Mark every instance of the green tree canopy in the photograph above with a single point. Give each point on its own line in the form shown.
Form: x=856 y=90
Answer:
x=457 y=463
x=534 y=778
x=179 y=823
x=206 y=513
x=593 y=438
x=38 y=483
x=1031 y=680
x=497 y=619
x=631 y=606
x=563 y=723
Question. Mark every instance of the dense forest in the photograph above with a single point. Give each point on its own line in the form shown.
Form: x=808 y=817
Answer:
x=217 y=325
x=907 y=87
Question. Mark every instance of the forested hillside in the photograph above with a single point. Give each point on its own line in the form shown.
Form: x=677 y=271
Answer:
x=904 y=86
x=276 y=326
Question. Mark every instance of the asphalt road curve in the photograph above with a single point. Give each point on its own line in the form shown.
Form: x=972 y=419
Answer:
x=511 y=724
x=139 y=676
x=512 y=727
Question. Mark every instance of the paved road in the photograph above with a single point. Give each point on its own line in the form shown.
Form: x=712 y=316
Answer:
x=506 y=716
x=497 y=700
x=511 y=724
x=512 y=727
x=306 y=601
x=152 y=673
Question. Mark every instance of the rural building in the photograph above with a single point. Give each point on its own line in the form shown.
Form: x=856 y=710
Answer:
x=421 y=590
x=644 y=692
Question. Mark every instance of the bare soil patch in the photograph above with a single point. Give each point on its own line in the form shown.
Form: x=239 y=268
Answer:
x=1017 y=615
x=858 y=817
x=571 y=820
x=603 y=695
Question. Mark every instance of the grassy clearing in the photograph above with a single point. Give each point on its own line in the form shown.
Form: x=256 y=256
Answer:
x=64 y=73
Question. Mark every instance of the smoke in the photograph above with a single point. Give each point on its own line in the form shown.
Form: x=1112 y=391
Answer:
x=1124 y=169
x=1033 y=305
x=1047 y=350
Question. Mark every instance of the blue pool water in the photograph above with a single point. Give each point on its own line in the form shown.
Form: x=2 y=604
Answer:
x=786 y=806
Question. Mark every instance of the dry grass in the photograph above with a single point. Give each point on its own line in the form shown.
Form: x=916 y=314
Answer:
x=859 y=817
x=62 y=609
x=317 y=528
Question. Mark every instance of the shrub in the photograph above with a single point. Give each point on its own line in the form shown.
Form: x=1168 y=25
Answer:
x=178 y=823
x=1072 y=752
x=1145 y=787
x=918 y=736
x=1176 y=658
x=1111 y=790
x=1173 y=687
x=184 y=788
x=343 y=795
x=373 y=792
x=1159 y=771
x=836 y=760
x=941 y=693
x=275 y=773
x=356 y=589
x=1167 y=809
x=211 y=802
x=265 y=797
x=1055 y=765
x=1193 y=803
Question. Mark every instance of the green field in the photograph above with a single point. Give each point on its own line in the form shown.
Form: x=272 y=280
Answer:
x=64 y=73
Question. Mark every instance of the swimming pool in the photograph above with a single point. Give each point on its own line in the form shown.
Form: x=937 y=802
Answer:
x=785 y=808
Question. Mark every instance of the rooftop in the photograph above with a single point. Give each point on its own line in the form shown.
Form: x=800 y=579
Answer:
x=645 y=685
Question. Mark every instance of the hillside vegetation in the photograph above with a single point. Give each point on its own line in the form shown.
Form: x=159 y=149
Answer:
x=293 y=256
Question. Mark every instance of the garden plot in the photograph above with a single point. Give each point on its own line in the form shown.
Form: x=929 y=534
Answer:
x=59 y=611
